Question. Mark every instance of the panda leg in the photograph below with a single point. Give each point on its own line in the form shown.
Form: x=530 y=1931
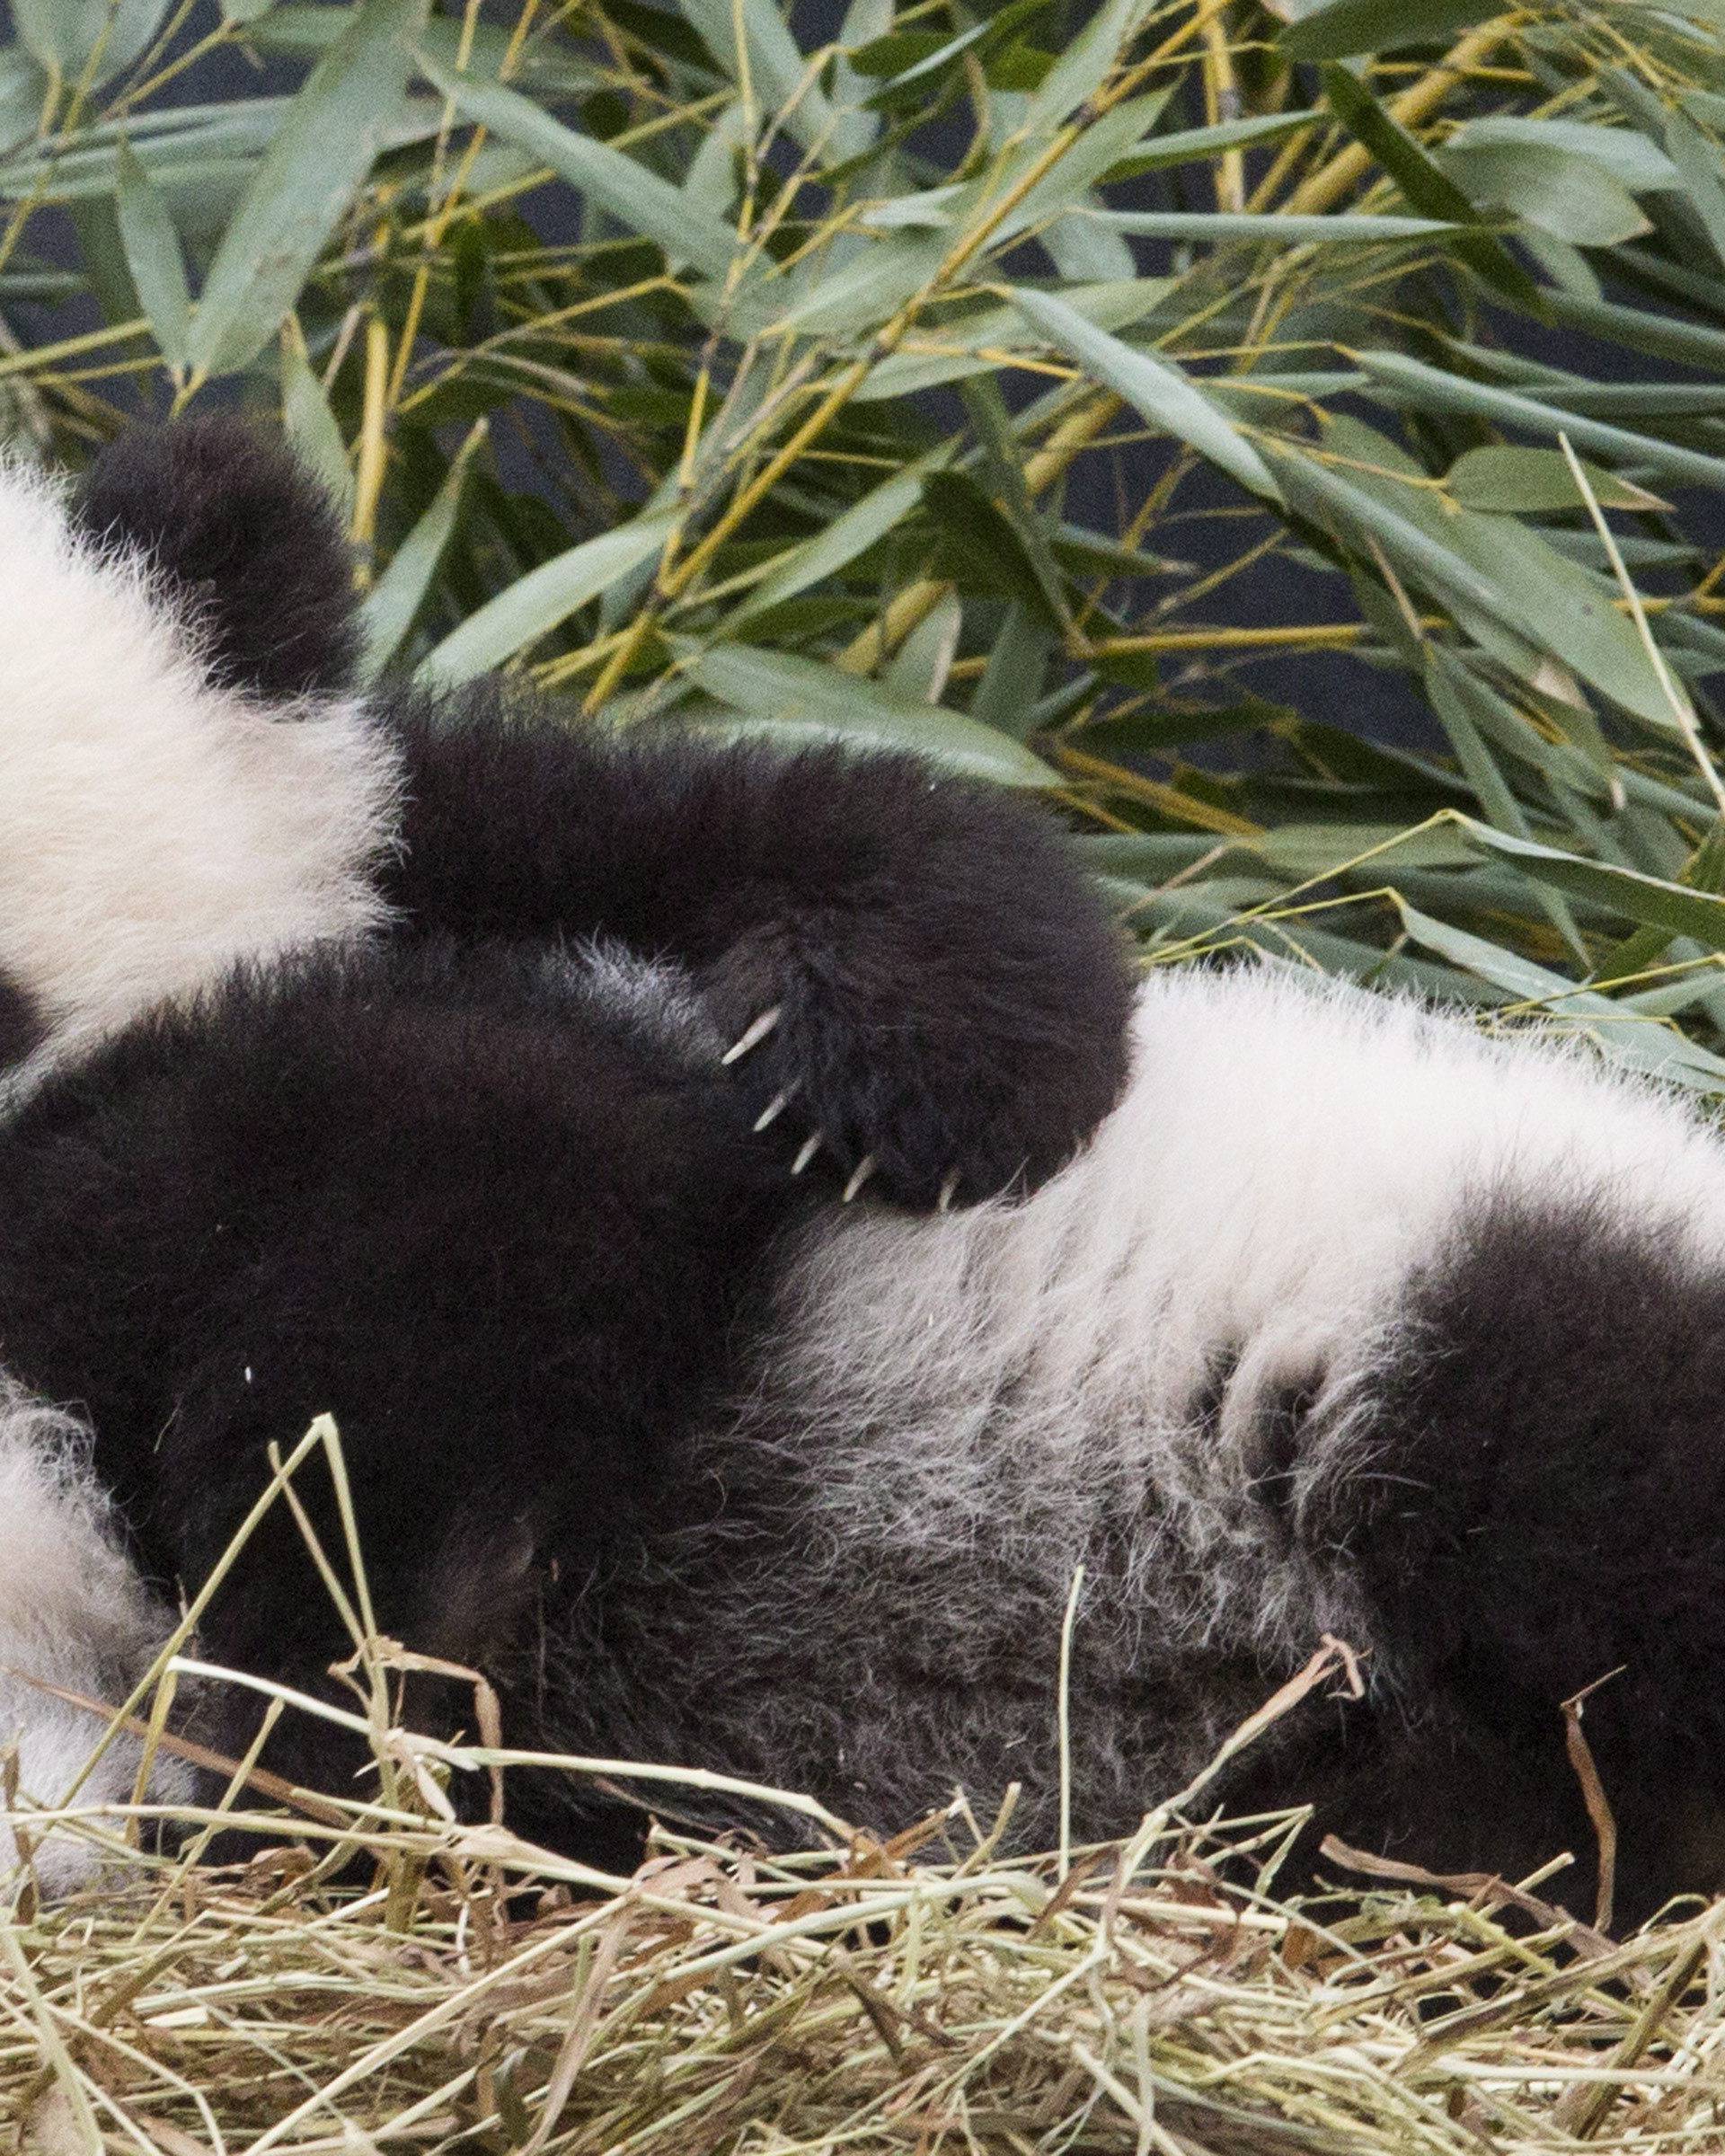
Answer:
x=242 y=538
x=913 y=971
x=158 y=824
x=1535 y=1506
x=496 y=1217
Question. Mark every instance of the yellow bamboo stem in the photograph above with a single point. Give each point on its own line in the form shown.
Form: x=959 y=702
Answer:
x=1327 y=185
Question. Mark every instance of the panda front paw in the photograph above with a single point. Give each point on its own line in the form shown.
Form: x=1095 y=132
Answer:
x=940 y=1046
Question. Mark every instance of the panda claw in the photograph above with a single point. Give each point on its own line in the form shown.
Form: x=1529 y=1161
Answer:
x=864 y=1170
x=810 y=1147
x=775 y=1109
x=949 y=1191
x=753 y=1036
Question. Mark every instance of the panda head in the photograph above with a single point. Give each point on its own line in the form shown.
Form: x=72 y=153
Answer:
x=188 y=780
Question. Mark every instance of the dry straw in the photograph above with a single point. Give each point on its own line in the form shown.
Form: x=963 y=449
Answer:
x=381 y=1976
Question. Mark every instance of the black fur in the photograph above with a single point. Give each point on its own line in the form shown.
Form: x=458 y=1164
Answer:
x=489 y=1197
x=20 y=1025
x=896 y=921
x=1542 y=1505
x=244 y=541
x=509 y=1223
x=512 y=1240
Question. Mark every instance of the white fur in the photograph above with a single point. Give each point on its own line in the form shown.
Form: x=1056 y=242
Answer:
x=72 y=1614
x=957 y=1412
x=154 y=828
x=1287 y=1151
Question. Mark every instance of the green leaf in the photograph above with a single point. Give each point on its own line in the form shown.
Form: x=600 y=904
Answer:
x=914 y=59
x=1691 y=343
x=1627 y=1040
x=862 y=293
x=1338 y=228
x=1067 y=182
x=855 y=128
x=310 y=424
x=617 y=183
x=539 y=601
x=1572 y=198
x=777 y=71
x=309 y=174
x=1697 y=160
x=66 y=36
x=1529 y=482
x=1492 y=567
x=1012 y=680
x=1426 y=186
x=1346 y=27
x=1631 y=159
x=1433 y=389
x=395 y=599
x=795 y=698
x=1160 y=392
x=153 y=257
x=1457 y=699
x=1112 y=305
x=981 y=551
x=1189 y=145
x=1673 y=907
x=1087 y=63
x=858 y=528
x=919 y=669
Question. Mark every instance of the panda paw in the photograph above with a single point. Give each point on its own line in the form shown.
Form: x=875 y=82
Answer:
x=937 y=1051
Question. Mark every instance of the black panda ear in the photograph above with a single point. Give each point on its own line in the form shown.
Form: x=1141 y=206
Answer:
x=244 y=537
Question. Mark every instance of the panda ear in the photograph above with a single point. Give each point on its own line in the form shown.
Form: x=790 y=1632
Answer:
x=241 y=536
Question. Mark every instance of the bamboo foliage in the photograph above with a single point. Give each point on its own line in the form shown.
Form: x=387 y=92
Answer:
x=942 y=379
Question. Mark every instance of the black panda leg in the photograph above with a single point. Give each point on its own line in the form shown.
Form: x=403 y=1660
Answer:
x=244 y=540
x=913 y=968
x=1538 y=1508
x=495 y=1217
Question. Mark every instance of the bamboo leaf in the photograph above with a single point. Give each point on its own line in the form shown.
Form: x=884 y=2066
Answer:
x=1696 y=160
x=318 y=160
x=793 y=698
x=544 y=599
x=859 y=527
x=1343 y=28
x=779 y=77
x=1673 y=907
x=153 y=257
x=1275 y=228
x=1416 y=382
x=1160 y=392
x=309 y=423
x=66 y=37
x=1086 y=63
x=1428 y=188
x=1190 y=145
x=618 y=183
x=1573 y=198
x=1527 y=482
x=395 y=601
x=1631 y=159
x=1497 y=569
x=1112 y=305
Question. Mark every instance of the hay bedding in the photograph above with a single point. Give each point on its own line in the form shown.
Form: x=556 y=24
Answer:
x=455 y=1990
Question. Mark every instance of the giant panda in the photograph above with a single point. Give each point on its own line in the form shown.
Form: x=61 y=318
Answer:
x=762 y=1251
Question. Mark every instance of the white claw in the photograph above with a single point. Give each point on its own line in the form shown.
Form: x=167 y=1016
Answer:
x=864 y=1170
x=774 y=1109
x=754 y=1037
x=949 y=1191
x=810 y=1147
